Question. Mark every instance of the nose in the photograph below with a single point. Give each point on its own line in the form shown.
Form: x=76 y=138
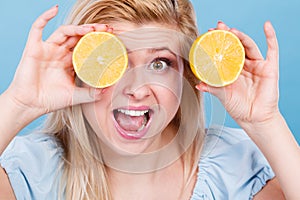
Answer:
x=135 y=85
x=138 y=93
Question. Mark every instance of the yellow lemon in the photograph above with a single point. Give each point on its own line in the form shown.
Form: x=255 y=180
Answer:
x=217 y=58
x=100 y=59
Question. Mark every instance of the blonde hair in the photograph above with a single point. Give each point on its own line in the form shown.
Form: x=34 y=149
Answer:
x=84 y=177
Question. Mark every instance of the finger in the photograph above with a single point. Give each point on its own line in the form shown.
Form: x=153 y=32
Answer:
x=216 y=91
x=222 y=26
x=71 y=42
x=273 y=49
x=251 y=49
x=100 y=27
x=110 y=30
x=62 y=34
x=68 y=61
x=252 y=66
x=86 y=95
x=202 y=87
x=36 y=31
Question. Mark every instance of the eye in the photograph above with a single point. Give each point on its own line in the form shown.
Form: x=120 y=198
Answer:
x=160 y=64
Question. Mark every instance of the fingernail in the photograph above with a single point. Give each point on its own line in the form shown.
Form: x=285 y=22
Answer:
x=220 y=22
x=201 y=88
x=103 y=90
x=110 y=29
x=55 y=7
x=102 y=26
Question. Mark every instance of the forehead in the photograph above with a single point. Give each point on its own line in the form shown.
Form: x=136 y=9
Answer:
x=150 y=36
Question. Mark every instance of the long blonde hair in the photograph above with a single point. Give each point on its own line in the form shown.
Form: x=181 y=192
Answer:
x=84 y=177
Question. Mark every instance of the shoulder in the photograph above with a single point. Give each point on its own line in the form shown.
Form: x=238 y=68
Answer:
x=31 y=163
x=35 y=148
x=231 y=166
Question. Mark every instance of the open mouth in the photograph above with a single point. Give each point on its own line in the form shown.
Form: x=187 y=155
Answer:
x=132 y=123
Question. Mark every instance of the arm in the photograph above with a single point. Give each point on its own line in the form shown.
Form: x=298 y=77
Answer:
x=282 y=151
x=253 y=102
x=6 y=191
x=13 y=119
x=272 y=190
x=44 y=80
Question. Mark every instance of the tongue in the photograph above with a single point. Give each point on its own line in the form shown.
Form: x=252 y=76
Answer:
x=129 y=123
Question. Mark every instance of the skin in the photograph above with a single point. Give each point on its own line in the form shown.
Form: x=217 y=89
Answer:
x=255 y=110
x=253 y=102
x=134 y=91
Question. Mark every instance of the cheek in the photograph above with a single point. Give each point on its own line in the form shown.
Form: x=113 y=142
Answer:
x=173 y=105
x=169 y=101
x=90 y=113
x=97 y=113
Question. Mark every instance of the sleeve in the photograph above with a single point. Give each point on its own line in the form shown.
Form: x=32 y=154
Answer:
x=31 y=163
x=231 y=166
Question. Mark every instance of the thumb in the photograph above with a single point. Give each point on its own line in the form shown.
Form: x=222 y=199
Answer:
x=218 y=92
x=86 y=95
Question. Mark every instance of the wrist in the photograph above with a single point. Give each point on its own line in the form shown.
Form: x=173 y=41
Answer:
x=278 y=145
x=22 y=113
x=269 y=132
x=264 y=127
x=14 y=117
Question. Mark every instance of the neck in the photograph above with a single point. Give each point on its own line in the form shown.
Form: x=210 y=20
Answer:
x=162 y=152
x=151 y=185
x=160 y=173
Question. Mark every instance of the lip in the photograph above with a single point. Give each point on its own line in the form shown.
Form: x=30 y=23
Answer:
x=133 y=135
x=137 y=108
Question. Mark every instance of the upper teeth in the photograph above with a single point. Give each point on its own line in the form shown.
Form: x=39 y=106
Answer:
x=134 y=113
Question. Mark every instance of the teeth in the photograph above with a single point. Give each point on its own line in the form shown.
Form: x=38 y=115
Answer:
x=133 y=113
x=143 y=125
x=141 y=128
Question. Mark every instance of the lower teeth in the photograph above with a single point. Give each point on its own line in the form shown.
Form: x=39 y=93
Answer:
x=141 y=128
x=143 y=125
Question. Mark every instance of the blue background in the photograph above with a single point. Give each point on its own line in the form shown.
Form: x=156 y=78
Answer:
x=248 y=16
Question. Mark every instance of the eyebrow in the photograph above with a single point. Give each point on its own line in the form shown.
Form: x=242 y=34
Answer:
x=154 y=50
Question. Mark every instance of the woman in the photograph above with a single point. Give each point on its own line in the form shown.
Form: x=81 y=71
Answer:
x=142 y=138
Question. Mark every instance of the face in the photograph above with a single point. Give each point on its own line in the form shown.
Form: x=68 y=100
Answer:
x=134 y=115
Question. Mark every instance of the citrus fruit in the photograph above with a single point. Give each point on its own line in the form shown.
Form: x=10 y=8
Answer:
x=217 y=58
x=100 y=59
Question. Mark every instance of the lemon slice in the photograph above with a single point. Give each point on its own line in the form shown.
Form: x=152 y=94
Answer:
x=100 y=59
x=217 y=58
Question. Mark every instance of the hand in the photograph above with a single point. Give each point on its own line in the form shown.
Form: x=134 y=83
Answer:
x=253 y=98
x=45 y=79
x=252 y=101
